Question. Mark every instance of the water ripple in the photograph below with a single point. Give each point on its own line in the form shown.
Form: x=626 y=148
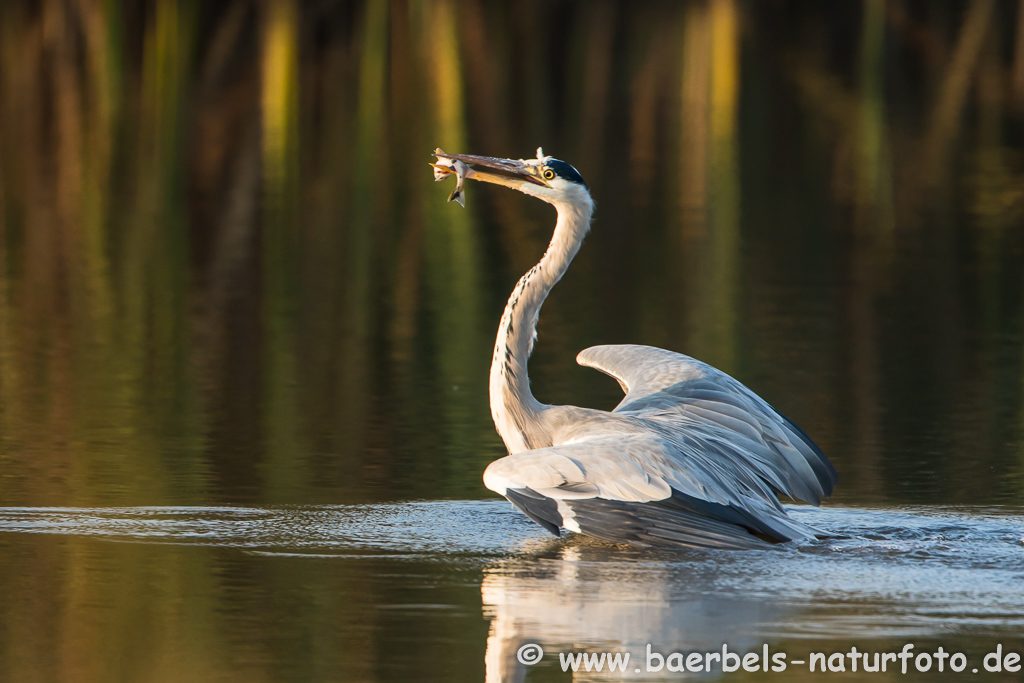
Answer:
x=880 y=571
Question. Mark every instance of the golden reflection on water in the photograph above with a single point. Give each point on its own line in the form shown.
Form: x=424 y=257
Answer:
x=226 y=275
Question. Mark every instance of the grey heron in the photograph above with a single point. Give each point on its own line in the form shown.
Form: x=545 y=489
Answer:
x=690 y=457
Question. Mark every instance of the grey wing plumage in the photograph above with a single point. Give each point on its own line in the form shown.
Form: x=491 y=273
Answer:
x=636 y=485
x=689 y=457
x=675 y=390
x=655 y=524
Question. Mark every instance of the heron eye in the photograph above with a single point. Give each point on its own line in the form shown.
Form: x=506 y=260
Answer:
x=549 y=174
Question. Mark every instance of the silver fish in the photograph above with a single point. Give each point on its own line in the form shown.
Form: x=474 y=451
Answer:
x=446 y=167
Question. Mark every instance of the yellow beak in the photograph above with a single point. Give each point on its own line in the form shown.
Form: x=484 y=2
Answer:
x=513 y=172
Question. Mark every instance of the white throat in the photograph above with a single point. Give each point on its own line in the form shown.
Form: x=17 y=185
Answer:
x=515 y=411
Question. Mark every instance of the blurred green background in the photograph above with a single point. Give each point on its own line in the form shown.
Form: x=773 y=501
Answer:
x=227 y=278
x=226 y=275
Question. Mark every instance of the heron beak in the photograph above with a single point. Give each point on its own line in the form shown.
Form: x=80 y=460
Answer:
x=512 y=172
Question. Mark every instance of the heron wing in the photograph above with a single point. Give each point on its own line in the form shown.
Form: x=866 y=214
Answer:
x=711 y=413
x=639 y=486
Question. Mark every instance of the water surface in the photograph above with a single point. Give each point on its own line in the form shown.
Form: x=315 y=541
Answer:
x=244 y=340
x=455 y=588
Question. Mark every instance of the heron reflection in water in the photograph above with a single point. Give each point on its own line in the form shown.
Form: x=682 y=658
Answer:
x=588 y=596
x=690 y=457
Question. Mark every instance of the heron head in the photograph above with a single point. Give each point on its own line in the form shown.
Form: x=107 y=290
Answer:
x=547 y=178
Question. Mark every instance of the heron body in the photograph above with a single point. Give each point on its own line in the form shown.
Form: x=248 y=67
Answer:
x=690 y=457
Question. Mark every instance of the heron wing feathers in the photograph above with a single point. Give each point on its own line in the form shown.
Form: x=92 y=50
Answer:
x=640 y=471
x=659 y=525
x=616 y=467
x=711 y=414
x=641 y=370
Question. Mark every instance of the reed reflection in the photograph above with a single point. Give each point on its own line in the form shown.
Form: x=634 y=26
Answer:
x=226 y=278
x=224 y=275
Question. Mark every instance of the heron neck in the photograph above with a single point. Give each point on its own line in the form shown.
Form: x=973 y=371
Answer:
x=513 y=407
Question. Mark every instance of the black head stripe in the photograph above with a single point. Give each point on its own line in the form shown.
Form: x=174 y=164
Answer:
x=565 y=171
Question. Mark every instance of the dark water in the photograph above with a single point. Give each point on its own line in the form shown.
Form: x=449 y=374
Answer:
x=394 y=591
x=244 y=341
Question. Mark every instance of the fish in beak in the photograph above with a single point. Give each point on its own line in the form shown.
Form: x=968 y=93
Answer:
x=513 y=173
x=446 y=167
